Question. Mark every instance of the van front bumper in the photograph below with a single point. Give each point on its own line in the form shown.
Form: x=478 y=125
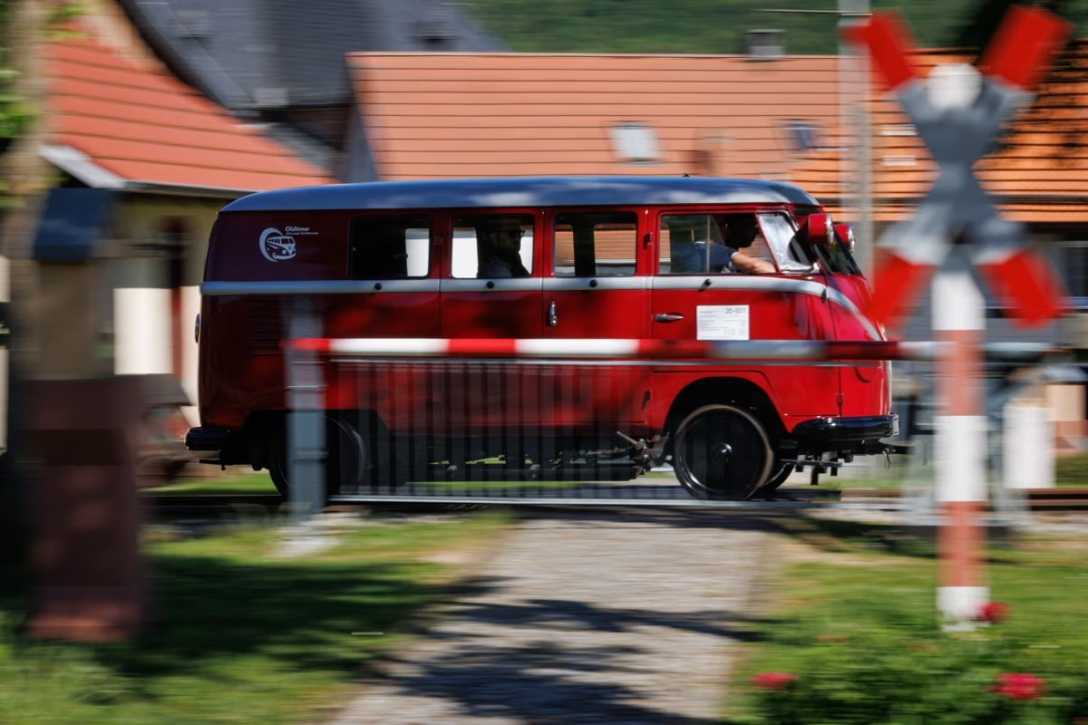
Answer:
x=845 y=432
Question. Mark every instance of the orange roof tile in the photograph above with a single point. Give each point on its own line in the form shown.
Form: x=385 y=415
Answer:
x=433 y=115
x=136 y=121
x=450 y=114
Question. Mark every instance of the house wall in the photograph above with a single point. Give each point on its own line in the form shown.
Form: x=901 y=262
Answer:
x=153 y=306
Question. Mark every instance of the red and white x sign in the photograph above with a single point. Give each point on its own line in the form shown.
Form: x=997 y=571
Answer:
x=958 y=113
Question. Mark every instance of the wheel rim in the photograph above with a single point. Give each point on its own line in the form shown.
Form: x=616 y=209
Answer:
x=347 y=459
x=347 y=456
x=722 y=452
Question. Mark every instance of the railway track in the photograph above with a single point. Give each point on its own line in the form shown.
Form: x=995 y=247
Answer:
x=586 y=495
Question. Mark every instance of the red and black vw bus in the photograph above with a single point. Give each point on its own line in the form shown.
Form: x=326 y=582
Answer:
x=637 y=258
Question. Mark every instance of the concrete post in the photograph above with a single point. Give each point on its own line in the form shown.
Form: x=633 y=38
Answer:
x=959 y=320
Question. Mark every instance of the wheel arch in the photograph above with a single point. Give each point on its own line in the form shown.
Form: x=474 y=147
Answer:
x=741 y=392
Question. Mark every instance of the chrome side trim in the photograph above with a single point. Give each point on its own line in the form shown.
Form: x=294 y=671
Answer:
x=580 y=284
x=522 y=284
x=319 y=287
x=766 y=284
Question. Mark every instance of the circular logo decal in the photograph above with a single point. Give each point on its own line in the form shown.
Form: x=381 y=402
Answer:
x=276 y=246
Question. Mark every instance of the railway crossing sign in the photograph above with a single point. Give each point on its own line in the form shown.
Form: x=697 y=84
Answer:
x=958 y=113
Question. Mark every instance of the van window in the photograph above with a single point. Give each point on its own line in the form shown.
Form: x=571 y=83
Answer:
x=705 y=243
x=389 y=247
x=596 y=244
x=779 y=231
x=493 y=246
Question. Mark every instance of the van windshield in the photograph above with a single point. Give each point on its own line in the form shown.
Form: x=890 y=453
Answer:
x=781 y=236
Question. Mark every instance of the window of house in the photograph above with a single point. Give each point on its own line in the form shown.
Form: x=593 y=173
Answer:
x=390 y=247
x=1071 y=258
x=705 y=243
x=596 y=244
x=493 y=246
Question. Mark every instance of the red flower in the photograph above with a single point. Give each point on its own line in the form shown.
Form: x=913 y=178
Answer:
x=1020 y=686
x=993 y=612
x=773 y=680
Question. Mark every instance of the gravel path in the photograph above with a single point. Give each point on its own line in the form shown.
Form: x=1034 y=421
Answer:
x=585 y=618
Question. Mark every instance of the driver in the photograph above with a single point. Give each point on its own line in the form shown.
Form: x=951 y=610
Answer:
x=740 y=232
x=726 y=256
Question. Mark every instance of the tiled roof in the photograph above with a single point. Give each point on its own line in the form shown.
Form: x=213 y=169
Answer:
x=1041 y=171
x=448 y=115
x=134 y=120
x=435 y=115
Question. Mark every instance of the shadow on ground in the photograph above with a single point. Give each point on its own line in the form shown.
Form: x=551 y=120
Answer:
x=540 y=681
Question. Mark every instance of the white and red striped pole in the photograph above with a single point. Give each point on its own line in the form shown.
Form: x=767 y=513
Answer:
x=959 y=321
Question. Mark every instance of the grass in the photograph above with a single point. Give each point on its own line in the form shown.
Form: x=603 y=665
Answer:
x=847 y=585
x=1072 y=470
x=241 y=636
x=235 y=483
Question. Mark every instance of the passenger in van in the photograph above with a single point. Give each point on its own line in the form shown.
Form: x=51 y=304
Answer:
x=499 y=248
x=738 y=231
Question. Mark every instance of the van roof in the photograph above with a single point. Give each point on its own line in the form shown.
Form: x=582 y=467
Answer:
x=525 y=192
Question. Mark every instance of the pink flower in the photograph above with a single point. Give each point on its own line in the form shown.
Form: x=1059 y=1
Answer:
x=1020 y=686
x=773 y=680
x=993 y=612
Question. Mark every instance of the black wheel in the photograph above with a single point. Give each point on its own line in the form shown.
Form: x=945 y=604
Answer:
x=779 y=473
x=348 y=458
x=722 y=452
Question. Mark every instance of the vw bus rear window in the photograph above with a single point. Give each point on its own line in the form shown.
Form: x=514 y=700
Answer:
x=704 y=243
x=596 y=244
x=396 y=247
x=492 y=246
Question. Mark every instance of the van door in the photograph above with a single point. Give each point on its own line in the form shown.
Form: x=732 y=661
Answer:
x=491 y=288
x=596 y=289
x=697 y=297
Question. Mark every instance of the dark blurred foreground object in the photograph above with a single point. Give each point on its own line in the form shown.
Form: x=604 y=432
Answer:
x=89 y=580
x=82 y=429
x=162 y=454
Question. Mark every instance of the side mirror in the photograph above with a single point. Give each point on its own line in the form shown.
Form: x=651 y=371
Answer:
x=819 y=230
x=845 y=233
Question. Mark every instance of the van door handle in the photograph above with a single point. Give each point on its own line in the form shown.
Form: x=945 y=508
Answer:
x=669 y=317
x=553 y=314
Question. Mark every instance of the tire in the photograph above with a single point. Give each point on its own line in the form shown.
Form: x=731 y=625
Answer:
x=722 y=452
x=779 y=474
x=348 y=458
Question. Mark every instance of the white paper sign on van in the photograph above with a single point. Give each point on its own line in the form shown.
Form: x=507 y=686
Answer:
x=721 y=322
x=280 y=246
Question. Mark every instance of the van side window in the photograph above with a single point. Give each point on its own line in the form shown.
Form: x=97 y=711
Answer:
x=706 y=243
x=494 y=246
x=389 y=247
x=602 y=244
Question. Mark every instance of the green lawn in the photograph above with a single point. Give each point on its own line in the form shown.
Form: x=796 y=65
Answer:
x=852 y=615
x=1072 y=470
x=247 y=482
x=241 y=636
